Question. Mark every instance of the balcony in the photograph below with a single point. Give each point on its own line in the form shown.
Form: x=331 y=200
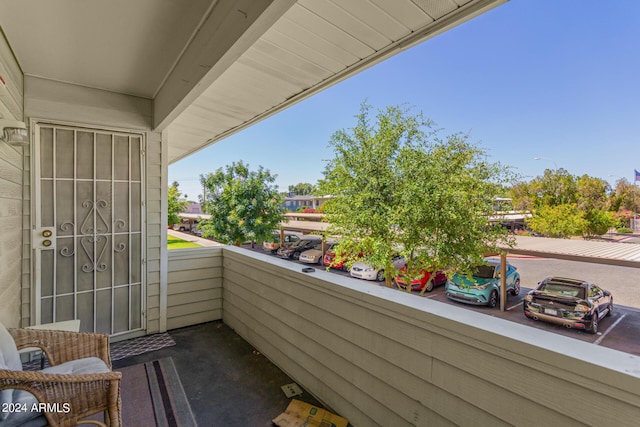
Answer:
x=375 y=355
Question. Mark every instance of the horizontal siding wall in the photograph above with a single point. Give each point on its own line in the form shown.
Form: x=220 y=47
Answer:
x=194 y=286
x=12 y=201
x=381 y=357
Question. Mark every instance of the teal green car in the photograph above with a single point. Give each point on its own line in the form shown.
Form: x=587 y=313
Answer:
x=483 y=288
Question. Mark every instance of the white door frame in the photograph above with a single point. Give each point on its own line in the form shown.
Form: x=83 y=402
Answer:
x=37 y=239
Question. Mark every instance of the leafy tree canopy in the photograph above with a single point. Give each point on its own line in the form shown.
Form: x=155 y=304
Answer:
x=244 y=205
x=598 y=222
x=175 y=203
x=399 y=187
x=558 y=221
x=301 y=189
x=625 y=196
x=592 y=193
x=555 y=187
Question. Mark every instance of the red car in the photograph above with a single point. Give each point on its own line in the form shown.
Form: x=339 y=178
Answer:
x=418 y=283
x=328 y=258
x=327 y=261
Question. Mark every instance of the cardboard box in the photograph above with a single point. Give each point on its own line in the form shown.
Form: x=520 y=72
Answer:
x=301 y=414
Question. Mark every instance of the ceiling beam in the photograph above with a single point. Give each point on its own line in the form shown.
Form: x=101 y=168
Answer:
x=231 y=27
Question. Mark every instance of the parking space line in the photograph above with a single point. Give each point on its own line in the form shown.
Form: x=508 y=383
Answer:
x=604 y=334
x=514 y=306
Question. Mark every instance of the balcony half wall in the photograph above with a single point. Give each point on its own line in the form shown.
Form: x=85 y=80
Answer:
x=380 y=357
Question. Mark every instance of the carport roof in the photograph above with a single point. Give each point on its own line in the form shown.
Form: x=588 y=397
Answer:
x=304 y=226
x=614 y=253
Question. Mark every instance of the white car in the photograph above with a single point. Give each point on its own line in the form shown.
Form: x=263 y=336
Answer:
x=365 y=271
x=273 y=244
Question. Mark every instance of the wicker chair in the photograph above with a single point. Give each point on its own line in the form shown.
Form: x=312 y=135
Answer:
x=78 y=384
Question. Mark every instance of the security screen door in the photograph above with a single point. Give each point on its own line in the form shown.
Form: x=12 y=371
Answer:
x=88 y=229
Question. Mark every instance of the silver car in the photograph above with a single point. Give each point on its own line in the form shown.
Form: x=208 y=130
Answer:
x=314 y=255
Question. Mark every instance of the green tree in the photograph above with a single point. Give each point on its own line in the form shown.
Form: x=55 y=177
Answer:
x=301 y=189
x=625 y=196
x=558 y=221
x=555 y=187
x=523 y=196
x=599 y=221
x=592 y=193
x=399 y=188
x=175 y=203
x=244 y=205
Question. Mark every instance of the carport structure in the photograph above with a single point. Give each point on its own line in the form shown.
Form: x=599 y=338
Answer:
x=114 y=91
x=594 y=251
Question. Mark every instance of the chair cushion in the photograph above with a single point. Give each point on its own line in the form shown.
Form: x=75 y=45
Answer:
x=19 y=412
x=88 y=365
x=9 y=359
x=24 y=400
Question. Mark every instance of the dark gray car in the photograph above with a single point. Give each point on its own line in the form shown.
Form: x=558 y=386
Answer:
x=294 y=250
x=569 y=302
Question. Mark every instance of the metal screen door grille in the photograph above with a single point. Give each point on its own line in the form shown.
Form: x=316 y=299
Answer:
x=88 y=234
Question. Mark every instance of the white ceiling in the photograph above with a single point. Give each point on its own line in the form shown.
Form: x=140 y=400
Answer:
x=214 y=67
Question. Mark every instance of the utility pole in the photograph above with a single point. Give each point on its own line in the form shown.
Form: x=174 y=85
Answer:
x=633 y=227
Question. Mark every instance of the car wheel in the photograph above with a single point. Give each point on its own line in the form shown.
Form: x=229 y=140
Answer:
x=593 y=329
x=380 y=276
x=429 y=286
x=181 y=229
x=610 y=310
x=493 y=299
x=320 y=261
x=516 y=288
x=296 y=256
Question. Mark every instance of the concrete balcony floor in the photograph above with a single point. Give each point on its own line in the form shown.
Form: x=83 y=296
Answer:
x=226 y=380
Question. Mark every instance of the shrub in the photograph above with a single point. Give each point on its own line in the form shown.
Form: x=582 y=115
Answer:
x=558 y=221
x=599 y=222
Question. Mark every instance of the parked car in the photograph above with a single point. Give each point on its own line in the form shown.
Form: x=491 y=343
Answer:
x=569 y=302
x=420 y=281
x=365 y=271
x=274 y=243
x=185 y=224
x=483 y=288
x=294 y=250
x=328 y=261
x=315 y=254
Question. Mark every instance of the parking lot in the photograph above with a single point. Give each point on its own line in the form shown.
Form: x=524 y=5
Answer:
x=619 y=331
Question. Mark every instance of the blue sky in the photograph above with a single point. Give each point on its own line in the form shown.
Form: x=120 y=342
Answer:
x=558 y=79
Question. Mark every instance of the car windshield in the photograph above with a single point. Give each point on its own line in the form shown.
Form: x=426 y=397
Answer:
x=484 y=271
x=563 y=290
x=318 y=247
x=301 y=242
